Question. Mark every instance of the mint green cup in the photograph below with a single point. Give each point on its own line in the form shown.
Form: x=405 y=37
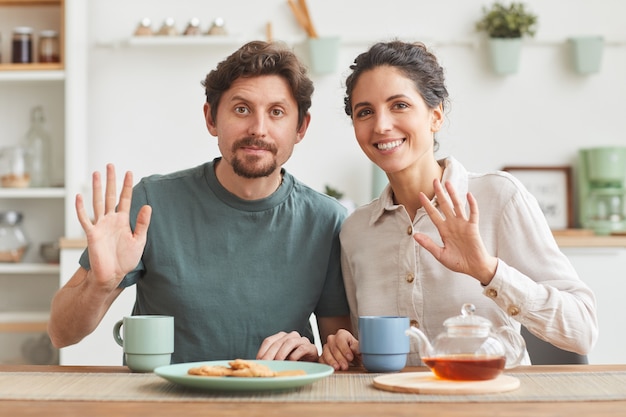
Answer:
x=148 y=341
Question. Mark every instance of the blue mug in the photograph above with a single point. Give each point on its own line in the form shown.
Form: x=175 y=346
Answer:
x=383 y=343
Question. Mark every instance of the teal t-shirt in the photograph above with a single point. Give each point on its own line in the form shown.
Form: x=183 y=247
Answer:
x=233 y=271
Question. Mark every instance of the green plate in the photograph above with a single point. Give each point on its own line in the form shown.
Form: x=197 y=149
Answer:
x=178 y=374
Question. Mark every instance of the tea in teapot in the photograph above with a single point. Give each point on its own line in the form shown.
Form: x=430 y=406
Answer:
x=470 y=349
x=466 y=367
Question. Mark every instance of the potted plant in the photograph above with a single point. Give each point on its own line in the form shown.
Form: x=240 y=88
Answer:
x=505 y=27
x=586 y=52
x=333 y=192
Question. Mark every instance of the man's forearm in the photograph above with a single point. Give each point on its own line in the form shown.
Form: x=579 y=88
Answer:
x=77 y=309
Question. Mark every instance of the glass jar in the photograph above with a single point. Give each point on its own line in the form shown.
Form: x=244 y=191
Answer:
x=37 y=145
x=13 y=242
x=168 y=28
x=22 y=45
x=14 y=167
x=193 y=27
x=48 y=47
x=144 y=28
x=217 y=27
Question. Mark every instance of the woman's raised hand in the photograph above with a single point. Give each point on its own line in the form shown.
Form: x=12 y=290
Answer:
x=463 y=249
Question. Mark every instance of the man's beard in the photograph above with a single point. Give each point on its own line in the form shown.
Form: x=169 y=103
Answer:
x=249 y=166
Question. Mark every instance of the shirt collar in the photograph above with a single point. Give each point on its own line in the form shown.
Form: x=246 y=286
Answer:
x=453 y=171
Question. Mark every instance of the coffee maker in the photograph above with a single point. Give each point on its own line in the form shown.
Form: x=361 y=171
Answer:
x=602 y=189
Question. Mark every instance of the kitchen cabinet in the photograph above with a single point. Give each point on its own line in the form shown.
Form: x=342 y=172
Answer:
x=26 y=287
x=39 y=15
x=603 y=269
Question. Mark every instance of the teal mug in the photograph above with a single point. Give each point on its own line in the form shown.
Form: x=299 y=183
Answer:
x=148 y=341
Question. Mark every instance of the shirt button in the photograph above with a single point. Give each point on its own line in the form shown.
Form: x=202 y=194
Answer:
x=415 y=323
x=491 y=292
x=410 y=277
x=513 y=310
x=409 y=230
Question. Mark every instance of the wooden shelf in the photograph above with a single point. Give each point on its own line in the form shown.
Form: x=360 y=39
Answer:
x=30 y=2
x=23 y=322
x=77 y=243
x=35 y=66
x=23 y=327
x=32 y=193
x=43 y=75
x=20 y=268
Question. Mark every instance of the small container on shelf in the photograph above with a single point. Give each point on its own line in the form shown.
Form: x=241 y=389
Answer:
x=193 y=27
x=144 y=28
x=37 y=145
x=50 y=252
x=217 y=27
x=168 y=28
x=48 y=47
x=14 y=167
x=38 y=350
x=22 y=45
x=13 y=242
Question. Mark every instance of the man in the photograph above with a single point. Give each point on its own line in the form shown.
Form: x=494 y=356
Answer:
x=237 y=250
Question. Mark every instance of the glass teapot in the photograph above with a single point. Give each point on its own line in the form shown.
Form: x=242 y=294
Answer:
x=470 y=349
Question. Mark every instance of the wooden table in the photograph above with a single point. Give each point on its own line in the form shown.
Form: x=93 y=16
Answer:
x=186 y=409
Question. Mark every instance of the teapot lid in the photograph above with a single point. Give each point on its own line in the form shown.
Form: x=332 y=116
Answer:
x=467 y=320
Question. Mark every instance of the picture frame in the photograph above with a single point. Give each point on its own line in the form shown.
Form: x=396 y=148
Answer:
x=552 y=187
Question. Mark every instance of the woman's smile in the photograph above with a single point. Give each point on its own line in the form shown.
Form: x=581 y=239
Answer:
x=387 y=146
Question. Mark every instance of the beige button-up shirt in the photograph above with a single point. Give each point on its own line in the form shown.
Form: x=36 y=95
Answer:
x=387 y=273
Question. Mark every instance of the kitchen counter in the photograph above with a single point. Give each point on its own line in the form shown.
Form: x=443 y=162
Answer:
x=72 y=243
x=572 y=238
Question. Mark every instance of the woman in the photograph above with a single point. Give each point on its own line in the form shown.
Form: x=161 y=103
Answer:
x=419 y=250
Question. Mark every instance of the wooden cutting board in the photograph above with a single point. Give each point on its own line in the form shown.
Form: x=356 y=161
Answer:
x=428 y=383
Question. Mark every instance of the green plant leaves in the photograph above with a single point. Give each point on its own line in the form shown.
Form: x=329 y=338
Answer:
x=513 y=21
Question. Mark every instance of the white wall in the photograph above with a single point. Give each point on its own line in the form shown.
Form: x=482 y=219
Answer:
x=145 y=104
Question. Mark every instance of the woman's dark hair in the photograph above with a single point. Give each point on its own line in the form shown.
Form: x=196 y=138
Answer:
x=413 y=59
x=258 y=58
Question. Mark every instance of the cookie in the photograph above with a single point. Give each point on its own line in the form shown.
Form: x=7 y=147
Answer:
x=244 y=368
x=211 y=370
